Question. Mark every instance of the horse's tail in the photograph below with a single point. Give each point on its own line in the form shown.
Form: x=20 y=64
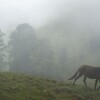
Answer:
x=73 y=76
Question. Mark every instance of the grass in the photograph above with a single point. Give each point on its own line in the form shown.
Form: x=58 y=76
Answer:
x=21 y=87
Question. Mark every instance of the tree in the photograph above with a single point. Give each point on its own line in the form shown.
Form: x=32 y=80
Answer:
x=2 y=51
x=22 y=42
x=43 y=59
x=29 y=54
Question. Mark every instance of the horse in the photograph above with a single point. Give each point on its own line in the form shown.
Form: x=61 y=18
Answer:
x=88 y=72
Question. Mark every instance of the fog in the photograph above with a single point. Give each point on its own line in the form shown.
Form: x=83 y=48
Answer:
x=65 y=35
x=36 y=12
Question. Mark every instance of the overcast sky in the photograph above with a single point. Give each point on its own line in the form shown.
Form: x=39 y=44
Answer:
x=38 y=12
x=35 y=12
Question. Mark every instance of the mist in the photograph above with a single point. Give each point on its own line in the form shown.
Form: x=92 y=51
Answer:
x=58 y=36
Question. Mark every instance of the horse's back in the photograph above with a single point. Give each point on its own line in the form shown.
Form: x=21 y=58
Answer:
x=84 y=67
x=92 y=72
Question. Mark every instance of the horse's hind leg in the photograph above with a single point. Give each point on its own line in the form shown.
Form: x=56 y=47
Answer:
x=96 y=81
x=99 y=86
x=79 y=75
x=84 y=80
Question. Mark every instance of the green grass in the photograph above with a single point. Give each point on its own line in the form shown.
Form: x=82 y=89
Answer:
x=22 y=87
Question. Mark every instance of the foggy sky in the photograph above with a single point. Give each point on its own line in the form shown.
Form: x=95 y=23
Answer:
x=35 y=12
x=40 y=12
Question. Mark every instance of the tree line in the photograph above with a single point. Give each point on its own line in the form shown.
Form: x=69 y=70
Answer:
x=26 y=53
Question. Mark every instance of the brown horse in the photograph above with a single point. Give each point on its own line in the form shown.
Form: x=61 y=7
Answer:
x=88 y=72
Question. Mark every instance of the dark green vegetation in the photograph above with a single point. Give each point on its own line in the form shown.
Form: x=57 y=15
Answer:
x=22 y=87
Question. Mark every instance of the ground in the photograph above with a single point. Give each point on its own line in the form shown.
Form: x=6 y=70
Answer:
x=14 y=86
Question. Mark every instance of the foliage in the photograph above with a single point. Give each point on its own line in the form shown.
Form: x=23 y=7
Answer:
x=21 y=45
x=2 y=51
x=29 y=54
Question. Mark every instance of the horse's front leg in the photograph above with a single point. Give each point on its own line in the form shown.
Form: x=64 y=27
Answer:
x=99 y=86
x=96 y=81
x=84 y=80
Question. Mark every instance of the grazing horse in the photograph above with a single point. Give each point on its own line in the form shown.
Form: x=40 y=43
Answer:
x=88 y=72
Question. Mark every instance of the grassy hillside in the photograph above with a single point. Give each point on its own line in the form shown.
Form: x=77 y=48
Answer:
x=22 y=87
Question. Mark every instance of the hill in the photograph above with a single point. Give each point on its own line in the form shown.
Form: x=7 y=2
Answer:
x=23 y=87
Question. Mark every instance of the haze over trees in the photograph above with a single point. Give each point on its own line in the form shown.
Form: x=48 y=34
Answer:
x=41 y=56
x=29 y=54
x=22 y=41
x=2 y=51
